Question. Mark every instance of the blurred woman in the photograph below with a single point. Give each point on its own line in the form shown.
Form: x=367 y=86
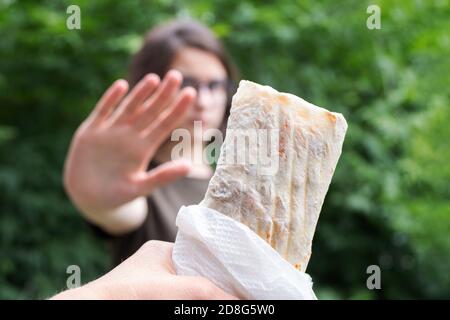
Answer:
x=119 y=172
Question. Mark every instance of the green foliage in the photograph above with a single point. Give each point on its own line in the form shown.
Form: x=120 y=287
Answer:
x=389 y=200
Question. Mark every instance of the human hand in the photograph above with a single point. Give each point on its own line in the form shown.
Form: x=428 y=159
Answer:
x=148 y=274
x=109 y=154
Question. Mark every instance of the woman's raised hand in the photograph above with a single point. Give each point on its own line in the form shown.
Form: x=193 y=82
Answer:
x=106 y=166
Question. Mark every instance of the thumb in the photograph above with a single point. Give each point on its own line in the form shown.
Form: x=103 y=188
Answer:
x=162 y=175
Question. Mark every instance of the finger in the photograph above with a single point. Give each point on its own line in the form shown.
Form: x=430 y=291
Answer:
x=163 y=249
x=158 y=253
x=169 y=120
x=199 y=288
x=108 y=101
x=162 y=97
x=161 y=175
x=134 y=100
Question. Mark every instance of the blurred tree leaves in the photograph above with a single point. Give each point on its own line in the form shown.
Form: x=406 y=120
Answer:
x=389 y=200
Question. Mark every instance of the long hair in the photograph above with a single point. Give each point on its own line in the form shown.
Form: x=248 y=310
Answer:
x=163 y=42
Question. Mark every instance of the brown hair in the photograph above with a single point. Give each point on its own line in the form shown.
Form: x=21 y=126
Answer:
x=162 y=43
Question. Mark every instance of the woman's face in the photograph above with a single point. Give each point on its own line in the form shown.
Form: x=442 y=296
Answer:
x=203 y=71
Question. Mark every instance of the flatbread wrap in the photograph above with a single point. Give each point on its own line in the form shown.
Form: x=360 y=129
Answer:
x=276 y=183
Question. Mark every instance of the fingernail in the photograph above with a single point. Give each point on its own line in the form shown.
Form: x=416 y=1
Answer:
x=152 y=77
x=175 y=74
x=122 y=83
x=191 y=91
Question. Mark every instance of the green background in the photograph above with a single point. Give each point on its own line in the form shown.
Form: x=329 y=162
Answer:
x=389 y=201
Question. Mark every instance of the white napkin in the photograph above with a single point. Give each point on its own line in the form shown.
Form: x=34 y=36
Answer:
x=214 y=246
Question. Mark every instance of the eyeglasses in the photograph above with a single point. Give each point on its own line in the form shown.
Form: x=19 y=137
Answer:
x=213 y=85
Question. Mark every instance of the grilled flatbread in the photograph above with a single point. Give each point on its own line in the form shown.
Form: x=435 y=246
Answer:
x=279 y=199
